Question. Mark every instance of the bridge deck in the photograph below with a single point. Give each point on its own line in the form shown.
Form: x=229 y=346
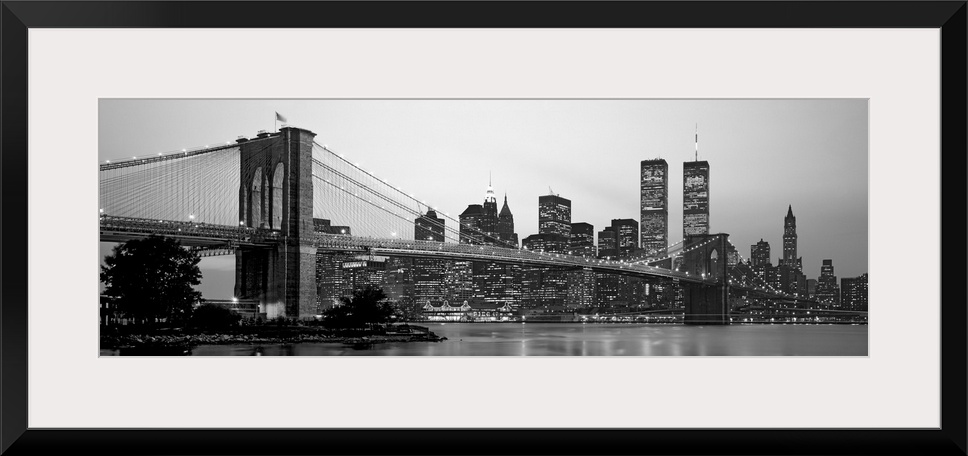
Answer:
x=116 y=229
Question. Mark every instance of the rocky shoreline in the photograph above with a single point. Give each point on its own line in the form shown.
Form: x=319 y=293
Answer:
x=191 y=340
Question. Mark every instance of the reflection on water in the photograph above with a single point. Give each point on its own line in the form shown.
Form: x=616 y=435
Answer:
x=570 y=339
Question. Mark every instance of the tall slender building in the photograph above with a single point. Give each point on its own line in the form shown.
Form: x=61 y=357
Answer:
x=505 y=226
x=790 y=269
x=554 y=215
x=654 y=206
x=695 y=195
x=790 y=240
x=489 y=211
x=428 y=274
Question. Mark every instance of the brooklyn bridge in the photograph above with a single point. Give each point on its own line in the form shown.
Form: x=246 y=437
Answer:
x=261 y=199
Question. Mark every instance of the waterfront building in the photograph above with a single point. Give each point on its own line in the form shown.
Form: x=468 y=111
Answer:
x=543 y=286
x=458 y=281
x=398 y=283
x=626 y=236
x=245 y=308
x=429 y=279
x=581 y=288
x=695 y=198
x=364 y=271
x=498 y=282
x=428 y=274
x=582 y=240
x=853 y=293
x=554 y=215
x=616 y=290
x=654 y=206
x=331 y=285
x=467 y=311
x=827 y=293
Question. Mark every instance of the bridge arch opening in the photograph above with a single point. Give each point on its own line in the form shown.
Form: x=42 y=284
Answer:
x=276 y=206
x=243 y=217
x=255 y=199
x=713 y=264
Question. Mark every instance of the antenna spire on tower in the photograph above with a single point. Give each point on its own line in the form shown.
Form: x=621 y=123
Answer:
x=697 y=141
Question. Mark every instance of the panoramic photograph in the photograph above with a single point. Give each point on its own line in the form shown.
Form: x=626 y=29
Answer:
x=483 y=227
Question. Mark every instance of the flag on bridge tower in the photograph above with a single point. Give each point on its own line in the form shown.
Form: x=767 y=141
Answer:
x=279 y=118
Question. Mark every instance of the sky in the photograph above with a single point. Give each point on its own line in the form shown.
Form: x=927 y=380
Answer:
x=764 y=155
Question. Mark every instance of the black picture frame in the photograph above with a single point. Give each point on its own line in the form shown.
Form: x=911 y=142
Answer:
x=16 y=17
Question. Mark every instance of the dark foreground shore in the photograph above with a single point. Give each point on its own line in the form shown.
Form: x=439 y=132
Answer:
x=174 y=341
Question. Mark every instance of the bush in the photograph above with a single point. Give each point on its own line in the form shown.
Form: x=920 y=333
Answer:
x=213 y=317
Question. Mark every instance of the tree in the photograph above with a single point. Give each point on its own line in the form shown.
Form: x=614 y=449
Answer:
x=152 y=278
x=368 y=306
x=213 y=317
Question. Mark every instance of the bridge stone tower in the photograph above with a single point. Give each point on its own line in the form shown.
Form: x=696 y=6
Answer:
x=706 y=304
x=276 y=192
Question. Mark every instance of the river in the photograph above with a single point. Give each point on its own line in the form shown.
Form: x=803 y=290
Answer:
x=590 y=339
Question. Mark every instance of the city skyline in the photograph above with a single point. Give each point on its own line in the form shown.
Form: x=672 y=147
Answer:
x=461 y=142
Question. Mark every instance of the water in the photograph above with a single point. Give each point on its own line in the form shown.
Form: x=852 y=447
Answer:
x=598 y=339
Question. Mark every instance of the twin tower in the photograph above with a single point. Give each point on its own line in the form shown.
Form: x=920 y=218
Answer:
x=654 y=229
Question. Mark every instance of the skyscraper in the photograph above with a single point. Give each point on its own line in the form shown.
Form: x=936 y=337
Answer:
x=470 y=225
x=428 y=273
x=554 y=215
x=695 y=195
x=429 y=227
x=827 y=292
x=489 y=212
x=790 y=240
x=654 y=206
x=695 y=198
x=607 y=243
x=790 y=270
x=853 y=293
x=626 y=236
x=505 y=226
x=582 y=242
x=760 y=253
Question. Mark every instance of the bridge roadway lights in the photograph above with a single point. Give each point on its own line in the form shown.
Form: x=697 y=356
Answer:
x=706 y=304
